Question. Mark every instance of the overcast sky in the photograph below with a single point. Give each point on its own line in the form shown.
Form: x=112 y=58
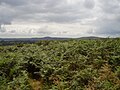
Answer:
x=59 y=18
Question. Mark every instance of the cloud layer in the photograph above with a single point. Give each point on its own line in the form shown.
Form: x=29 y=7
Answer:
x=68 y=18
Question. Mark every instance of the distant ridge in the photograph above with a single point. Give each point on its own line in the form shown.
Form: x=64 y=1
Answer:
x=32 y=39
x=45 y=38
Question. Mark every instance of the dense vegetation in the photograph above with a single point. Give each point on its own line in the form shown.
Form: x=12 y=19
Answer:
x=61 y=65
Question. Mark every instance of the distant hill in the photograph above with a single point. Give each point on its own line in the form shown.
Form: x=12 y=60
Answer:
x=32 y=39
x=44 y=38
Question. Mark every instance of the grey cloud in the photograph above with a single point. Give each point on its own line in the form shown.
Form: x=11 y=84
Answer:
x=107 y=13
x=65 y=18
x=109 y=26
x=44 y=31
x=42 y=10
x=108 y=19
x=12 y=31
x=89 y=4
x=2 y=29
x=7 y=13
x=13 y=2
x=110 y=6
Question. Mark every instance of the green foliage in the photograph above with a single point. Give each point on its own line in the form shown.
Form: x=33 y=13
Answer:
x=61 y=65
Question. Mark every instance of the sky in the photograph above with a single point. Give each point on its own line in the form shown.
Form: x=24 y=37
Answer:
x=59 y=18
